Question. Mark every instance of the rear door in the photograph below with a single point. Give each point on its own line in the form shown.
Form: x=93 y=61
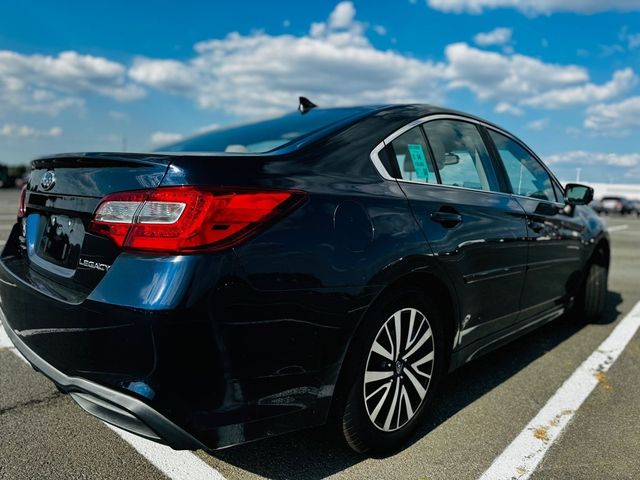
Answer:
x=554 y=234
x=477 y=233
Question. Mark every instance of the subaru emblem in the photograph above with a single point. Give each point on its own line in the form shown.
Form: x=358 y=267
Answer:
x=48 y=180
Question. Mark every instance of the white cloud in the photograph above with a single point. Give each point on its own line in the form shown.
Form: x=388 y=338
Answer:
x=634 y=41
x=614 y=118
x=497 y=36
x=11 y=130
x=536 y=7
x=69 y=72
x=50 y=84
x=335 y=65
x=581 y=157
x=631 y=39
x=342 y=16
x=16 y=97
x=380 y=30
x=506 y=107
x=318 y=29
x=621 y=82
x=539 y=124
x=508 y=78
x=164 y=138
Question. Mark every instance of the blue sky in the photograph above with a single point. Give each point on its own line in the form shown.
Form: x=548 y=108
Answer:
x=561 y=74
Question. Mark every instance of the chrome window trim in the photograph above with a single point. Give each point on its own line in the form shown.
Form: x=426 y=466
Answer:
x=378 y=163
x=382 y=171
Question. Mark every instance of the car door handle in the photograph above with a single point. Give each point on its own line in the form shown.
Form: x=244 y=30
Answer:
x=447 y=219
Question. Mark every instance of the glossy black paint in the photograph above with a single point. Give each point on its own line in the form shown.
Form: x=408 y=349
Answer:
x=246 y=343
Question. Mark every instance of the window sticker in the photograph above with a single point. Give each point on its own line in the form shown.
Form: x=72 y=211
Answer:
x=419 y=162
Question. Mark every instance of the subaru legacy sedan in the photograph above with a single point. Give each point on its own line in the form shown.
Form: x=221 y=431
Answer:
x=327 y=266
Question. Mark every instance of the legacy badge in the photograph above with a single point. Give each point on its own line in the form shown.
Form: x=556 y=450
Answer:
x=102 y=267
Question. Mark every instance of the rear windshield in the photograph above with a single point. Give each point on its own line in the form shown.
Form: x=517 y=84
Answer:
x=267 y=135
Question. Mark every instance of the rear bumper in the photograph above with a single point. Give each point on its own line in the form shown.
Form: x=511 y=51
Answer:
x=224 y=362
x=110 y=405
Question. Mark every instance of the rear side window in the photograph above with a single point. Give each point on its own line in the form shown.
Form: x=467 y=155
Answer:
x=527 y=177
x=460 y=154
x=412 y=156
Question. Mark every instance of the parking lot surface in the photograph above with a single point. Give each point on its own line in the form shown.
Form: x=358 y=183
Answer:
x=480 y=410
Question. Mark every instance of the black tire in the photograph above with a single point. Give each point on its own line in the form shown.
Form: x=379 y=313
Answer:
x=594 y=293
x=360 y=432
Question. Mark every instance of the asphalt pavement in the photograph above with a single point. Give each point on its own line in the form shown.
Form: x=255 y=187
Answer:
x=479 y=411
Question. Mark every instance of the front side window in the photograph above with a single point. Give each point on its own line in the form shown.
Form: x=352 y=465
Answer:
x=527 y=177
x=412 y=155
x=460 y=154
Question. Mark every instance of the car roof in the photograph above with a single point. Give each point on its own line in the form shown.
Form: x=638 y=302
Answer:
x=416 y=110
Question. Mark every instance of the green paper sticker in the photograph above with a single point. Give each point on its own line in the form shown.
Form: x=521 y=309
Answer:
x=419 y=161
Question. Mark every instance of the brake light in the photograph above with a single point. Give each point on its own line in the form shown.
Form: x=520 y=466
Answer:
x=189 y=219
x=22 y=203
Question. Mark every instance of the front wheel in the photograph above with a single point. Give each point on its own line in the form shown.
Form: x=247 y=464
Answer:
x=594 y=292
x=396 y=364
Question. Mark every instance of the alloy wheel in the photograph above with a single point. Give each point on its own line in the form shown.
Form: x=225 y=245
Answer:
x=399 y=369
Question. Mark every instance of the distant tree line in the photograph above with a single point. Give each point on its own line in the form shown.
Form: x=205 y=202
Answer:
x=13 y=176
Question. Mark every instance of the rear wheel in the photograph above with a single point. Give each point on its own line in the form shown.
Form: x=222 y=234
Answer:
x=395 y=366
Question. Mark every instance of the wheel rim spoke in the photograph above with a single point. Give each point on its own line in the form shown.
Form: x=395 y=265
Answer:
x=427 y=358
x=385 y=386
x=407 y=403
x=410 y=331
x=397 y=318
x=416 y=384
x=392 y=408
x=399 y=369
x=386 y=329
x=380 y=350
x=376 y=411
x=375 y=376
x=418 y=344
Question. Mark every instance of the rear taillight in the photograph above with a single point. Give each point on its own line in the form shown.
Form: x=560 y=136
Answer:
x=189 y=219
x=22 y=203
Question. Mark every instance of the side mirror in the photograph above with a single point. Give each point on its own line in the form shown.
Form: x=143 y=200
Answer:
x=576 y=194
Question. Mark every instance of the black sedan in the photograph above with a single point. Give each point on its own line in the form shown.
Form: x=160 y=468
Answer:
x=331 y=265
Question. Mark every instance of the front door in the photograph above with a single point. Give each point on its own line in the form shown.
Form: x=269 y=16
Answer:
x=554 y=236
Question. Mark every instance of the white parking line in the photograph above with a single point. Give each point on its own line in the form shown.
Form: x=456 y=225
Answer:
x=178 y=465
x=520 y=459
x=175 y=464
x=617 y=228
x=5 y=342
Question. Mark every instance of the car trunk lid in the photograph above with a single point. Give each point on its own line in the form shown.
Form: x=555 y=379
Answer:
x=62 y=194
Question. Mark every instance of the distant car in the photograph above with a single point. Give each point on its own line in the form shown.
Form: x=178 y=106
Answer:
x=335 y=270
x=617 y=205
x=596 y=206
x=636 y=206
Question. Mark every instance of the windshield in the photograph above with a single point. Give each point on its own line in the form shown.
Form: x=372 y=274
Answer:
x=266 y=135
